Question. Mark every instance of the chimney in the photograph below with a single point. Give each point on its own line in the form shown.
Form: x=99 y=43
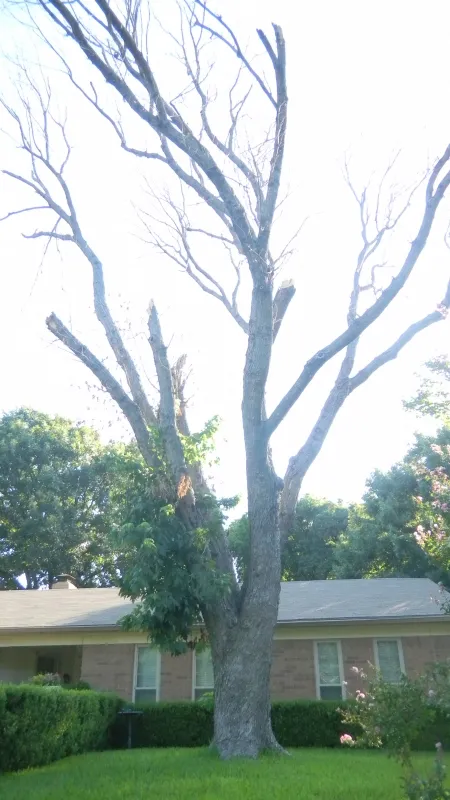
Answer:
x=64 y=582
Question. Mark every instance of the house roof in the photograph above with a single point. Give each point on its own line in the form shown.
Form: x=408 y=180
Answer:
x=300 y=601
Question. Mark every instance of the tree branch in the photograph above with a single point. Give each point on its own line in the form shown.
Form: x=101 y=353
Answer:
x=354 y=330
x=109 y=383
x=167 y=413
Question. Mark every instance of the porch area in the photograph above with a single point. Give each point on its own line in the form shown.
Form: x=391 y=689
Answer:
x=19 y=664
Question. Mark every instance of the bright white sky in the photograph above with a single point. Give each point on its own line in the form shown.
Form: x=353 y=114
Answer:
x=364 y=78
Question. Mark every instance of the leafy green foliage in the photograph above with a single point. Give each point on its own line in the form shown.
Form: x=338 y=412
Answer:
x=167 y=568
x=199 y=447
x=402 y=529
x=39 y=725
x=433 y=396
x=309 y=550
x=59 y=492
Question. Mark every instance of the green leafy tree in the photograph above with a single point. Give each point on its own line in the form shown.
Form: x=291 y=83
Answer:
x=401 y=529
x=308 y=551
x=59 y=494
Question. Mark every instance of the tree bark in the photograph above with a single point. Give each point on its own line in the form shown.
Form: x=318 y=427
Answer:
x=242 y=661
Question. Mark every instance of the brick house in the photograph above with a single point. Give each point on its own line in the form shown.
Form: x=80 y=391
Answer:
x=324 y=629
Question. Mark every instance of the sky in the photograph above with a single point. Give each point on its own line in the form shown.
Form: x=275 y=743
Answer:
x=366 y=80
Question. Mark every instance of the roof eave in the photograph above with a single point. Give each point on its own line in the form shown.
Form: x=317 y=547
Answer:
x=344 y=620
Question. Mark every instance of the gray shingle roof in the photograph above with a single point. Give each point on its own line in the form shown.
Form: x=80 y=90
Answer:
x=301 y=601
x=376 y=598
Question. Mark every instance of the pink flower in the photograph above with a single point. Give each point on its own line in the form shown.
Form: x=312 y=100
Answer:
x=360 y=695
x=346 y=739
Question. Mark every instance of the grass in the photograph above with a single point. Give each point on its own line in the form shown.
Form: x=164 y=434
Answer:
x=197 y=774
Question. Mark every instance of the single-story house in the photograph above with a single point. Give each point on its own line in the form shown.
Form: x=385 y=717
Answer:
x=324 y=629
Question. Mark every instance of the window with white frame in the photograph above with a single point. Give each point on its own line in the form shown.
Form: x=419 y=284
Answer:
x=203 y=673
x=389 y=659
x=146 y=674
x=329 y=670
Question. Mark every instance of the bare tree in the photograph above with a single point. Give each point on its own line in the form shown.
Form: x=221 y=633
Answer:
x=238 y=184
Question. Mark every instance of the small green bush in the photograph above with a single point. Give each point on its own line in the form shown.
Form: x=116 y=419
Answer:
x=181 y=724
x=308 y=723
x=41 y=724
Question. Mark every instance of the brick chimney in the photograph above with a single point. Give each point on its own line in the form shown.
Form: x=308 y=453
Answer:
x=64 y=582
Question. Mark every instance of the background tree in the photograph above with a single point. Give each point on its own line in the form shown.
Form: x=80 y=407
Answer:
x=59 y=498
x=229 y=192
x=308 y=551
x=401 y=529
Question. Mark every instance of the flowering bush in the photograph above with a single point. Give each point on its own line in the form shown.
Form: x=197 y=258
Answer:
x=394 y=715
x=46 y=679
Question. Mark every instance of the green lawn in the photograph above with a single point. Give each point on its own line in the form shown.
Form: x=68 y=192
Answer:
x=198 y=775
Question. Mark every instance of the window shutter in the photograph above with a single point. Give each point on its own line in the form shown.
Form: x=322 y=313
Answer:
x=389 y=661
x=204 y=677
x=147 y=668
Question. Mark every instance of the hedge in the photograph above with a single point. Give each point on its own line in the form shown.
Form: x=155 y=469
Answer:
x=300 y=723
x=42 y=724
x=297 y=723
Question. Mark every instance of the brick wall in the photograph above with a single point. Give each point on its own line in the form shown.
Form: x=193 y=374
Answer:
x=109 y=667
x=293 y=673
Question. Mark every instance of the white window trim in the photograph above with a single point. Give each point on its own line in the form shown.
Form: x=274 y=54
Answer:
x=340 y=662
x=194 y=675
x=158 y=671
x=399 y=648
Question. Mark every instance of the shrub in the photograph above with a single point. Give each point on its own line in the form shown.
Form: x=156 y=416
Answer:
x=46 y=679
x=190 y=724
x=296 y=723
x=38 y=726
x=182 y=724
x=403 y=717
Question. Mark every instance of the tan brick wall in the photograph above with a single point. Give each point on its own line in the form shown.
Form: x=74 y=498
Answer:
x=418 y=652
x=293 y=673
x=109 y=667
x=176 y=677
x=441 y=647
x=356 y=653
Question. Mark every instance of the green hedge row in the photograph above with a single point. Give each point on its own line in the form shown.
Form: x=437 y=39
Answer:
x=299 y=723
x=42 y=724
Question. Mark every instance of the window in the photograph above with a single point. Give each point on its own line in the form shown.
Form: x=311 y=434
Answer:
x=203 y=673
x=146 y=677
x=389 y=659
x=329 y=670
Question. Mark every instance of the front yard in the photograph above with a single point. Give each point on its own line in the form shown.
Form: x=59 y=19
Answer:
x=188 y=774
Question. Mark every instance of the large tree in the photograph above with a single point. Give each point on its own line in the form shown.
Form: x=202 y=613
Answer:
x=230 y=180
x=59 y=499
